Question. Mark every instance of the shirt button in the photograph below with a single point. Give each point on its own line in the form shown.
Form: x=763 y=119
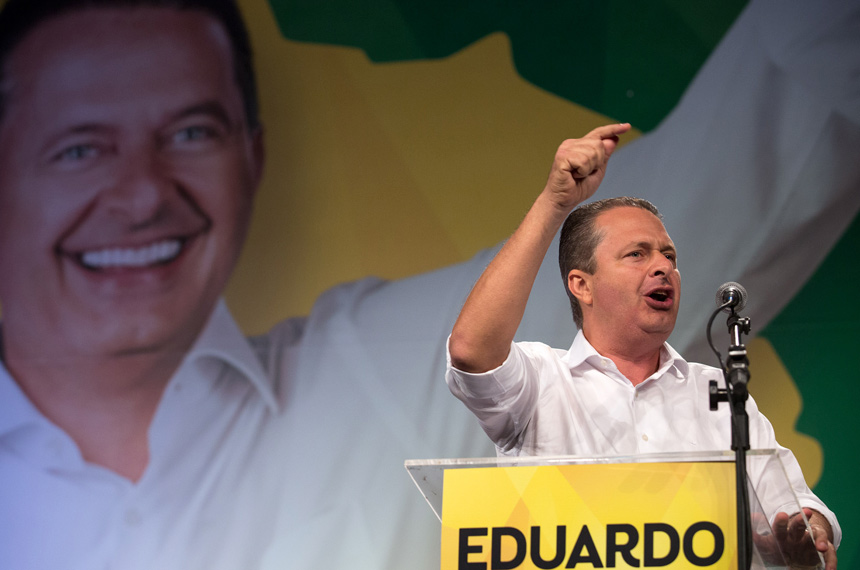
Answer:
x=604 y=363
x=644 y=437
x=132 y=517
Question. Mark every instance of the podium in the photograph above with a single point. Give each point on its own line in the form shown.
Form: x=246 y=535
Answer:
x=668 y=510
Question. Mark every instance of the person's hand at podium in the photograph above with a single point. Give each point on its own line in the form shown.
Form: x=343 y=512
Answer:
x=792 y=543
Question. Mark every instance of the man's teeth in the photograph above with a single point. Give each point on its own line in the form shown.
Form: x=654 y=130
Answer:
x=159 y=252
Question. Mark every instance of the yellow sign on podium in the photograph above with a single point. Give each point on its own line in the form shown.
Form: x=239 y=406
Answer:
x=623 y=515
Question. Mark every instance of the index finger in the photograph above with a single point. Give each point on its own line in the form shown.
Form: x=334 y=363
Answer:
x=609 y=131
x=819 y=537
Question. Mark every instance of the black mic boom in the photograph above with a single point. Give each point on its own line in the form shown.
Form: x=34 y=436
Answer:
x=732 y=293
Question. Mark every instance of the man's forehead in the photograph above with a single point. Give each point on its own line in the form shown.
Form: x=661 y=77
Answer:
x=632 y=225
x=620 y=215
x=119 y=52
x=89 y=28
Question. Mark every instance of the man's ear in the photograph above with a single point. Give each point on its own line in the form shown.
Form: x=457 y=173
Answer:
x=579 y=285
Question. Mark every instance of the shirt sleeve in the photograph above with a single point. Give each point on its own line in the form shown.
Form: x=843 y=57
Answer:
x=503 y=399
x=778 y=492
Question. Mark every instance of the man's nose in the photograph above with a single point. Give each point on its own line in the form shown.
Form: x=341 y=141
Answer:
x=141 y=191
x=661 y=265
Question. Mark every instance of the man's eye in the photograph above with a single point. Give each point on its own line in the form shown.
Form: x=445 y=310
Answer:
x=77 y=152
x=195 y=133
x=635 y=254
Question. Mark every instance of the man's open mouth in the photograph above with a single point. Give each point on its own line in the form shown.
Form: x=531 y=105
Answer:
x=156 y=253
x=661 y=298
x=660 y=295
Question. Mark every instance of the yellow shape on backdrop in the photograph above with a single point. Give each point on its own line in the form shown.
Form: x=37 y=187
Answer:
x=387 y=169
x=778 y=398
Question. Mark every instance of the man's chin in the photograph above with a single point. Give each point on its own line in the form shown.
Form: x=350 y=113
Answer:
x=135 y=332
x=125 y=344
x=662 y=326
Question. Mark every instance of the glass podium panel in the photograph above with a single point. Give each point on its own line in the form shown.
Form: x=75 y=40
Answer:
x=768 y=487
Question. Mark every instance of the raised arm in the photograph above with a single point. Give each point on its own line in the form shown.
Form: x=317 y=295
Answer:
x=489 y=319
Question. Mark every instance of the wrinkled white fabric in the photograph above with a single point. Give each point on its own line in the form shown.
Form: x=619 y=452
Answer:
x=285 y=451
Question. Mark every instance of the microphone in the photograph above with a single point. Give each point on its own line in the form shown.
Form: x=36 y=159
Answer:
x=732 y=293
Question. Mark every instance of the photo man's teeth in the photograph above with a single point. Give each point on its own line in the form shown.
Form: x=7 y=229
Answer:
x=117 y=257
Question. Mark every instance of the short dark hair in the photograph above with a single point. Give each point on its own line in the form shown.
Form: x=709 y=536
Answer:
x=20 y=17
x=580 y=237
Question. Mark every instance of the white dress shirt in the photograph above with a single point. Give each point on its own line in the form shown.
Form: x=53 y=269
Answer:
x=546 y=401
x=284 y=451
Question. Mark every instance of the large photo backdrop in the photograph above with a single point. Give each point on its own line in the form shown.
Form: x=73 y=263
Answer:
x=415 y=135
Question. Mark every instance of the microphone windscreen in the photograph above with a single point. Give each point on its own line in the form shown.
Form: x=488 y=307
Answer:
x=732 y=291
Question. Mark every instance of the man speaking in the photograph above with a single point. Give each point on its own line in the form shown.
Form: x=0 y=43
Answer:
x=620 y=389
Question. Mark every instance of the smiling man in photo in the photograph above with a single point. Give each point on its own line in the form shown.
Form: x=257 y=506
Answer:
x=131 y=173
x=139 y=427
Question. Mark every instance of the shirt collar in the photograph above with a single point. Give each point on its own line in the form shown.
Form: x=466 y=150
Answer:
x=581 y=352
x=220 y=340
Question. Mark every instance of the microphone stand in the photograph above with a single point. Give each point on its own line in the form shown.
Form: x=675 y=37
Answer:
x=736 y=374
